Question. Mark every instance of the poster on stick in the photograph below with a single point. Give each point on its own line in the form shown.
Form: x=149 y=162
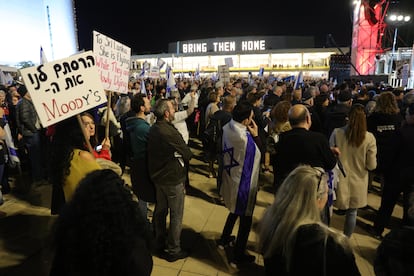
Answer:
x=113 y=62
x=64 y=88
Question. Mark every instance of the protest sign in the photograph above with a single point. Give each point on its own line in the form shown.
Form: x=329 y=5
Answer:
x=113 y=62
x=63 y=88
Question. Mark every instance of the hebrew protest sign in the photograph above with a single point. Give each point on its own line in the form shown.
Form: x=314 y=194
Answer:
x=63 y=88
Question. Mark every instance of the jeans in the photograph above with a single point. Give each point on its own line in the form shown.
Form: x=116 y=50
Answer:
x=33 y=144
x=169 y=198
x=350 y=221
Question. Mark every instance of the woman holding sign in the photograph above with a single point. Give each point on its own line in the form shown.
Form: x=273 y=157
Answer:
x=69 y=162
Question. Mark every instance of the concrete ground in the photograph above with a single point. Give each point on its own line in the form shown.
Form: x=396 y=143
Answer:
x=25 y=231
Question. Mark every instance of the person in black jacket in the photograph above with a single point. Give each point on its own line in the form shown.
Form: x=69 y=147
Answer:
x=337 y=113
x=167 y=155
x=302 y=146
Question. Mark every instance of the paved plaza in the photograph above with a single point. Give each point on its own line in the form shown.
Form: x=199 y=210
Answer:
x=25 y=233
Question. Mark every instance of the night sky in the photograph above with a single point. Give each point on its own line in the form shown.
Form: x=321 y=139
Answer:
x=150 y=29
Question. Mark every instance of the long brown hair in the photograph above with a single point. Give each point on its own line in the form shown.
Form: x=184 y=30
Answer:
x=357 y=125
x=386 y=103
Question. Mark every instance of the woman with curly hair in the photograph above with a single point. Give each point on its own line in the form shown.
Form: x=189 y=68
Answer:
x=101 y=231
x=292 y=237
x=69 y=161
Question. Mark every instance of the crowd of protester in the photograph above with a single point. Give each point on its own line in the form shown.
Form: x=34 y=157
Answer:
x=323 y=143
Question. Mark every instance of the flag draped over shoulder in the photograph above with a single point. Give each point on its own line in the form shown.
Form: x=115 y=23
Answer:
x=241 y=167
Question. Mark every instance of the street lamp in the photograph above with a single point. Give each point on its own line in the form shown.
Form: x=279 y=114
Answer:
x=396 y=19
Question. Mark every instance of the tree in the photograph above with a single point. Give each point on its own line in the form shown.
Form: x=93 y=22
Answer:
x=25 y=64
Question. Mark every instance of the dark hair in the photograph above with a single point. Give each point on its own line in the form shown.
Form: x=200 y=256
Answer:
x=68 y=136
x=242 y=111
x=101 y=230
x=137 y=101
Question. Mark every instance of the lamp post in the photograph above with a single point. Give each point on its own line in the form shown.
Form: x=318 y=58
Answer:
x=396 y=19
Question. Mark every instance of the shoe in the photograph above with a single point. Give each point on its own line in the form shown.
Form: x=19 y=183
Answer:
x=177 y=256
x=339 y=212
x=223 y=244
x=373 y=232
x=243 y=259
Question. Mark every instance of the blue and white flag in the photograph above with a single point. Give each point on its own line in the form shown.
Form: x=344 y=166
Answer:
x=143 y=90
x=171 y=85
x=241 y=167
x=160 y=63
x=288 y=79
x=197 y=73
x=12 y=149
x=145 y=67
x=299 y=81
x=43 y=58
x=261 y=72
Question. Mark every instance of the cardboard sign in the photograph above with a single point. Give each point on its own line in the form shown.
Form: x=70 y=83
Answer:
x=113 y=62
x=63 y=88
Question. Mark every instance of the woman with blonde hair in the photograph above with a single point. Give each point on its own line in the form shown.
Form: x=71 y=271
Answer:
x=358 y=156
x=292 y=237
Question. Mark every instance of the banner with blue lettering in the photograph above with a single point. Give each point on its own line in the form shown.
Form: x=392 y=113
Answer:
x=63 y=88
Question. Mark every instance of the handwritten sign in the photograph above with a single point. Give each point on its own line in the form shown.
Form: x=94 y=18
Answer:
x=63 y=88
x=113 y=62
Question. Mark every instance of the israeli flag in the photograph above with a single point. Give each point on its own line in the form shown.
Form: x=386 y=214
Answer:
x=299 y=81
x=143 y=90
x=261 y=71
x=12 y=149
x=160 y=63
x=241 y=167
x=171 y=85
x=43 y=58
x=288 y=79
x=197 y=73
x=145 y=67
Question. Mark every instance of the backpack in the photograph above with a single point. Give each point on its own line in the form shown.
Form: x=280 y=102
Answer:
x=212 y=136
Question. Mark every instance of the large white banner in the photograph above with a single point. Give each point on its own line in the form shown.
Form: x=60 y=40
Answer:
x=113 y=62
x=63 y=88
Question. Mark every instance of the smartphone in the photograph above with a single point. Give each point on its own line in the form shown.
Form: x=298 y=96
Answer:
x=98 y=148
